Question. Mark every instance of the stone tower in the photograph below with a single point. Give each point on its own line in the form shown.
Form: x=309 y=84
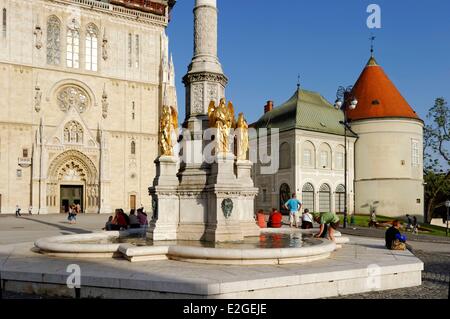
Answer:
x=389 y=149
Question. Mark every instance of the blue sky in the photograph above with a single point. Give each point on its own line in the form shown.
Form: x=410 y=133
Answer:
x=264 y=45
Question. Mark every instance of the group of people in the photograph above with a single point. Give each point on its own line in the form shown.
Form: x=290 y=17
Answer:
x=18 y=209
x=122 y=221
x=329 y=222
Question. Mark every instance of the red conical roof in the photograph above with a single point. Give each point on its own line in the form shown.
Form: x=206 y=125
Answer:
x=378 y=97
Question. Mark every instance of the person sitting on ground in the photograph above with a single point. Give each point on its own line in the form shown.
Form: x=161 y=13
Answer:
x=108 y=224
x=142 y=217
x=307 y=219
x=275 y=219
x=119 y=221
x=329 y=219
x=394 y=239
x=261 y=219
x=134 y=221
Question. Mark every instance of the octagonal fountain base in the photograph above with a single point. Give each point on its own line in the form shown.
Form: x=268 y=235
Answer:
x=274 y=246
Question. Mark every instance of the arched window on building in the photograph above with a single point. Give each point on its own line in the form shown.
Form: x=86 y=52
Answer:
x=4 y=22
x=285 y=156
x=325 y=199
x=53 y=41
x=133 y=148
x=340 y=157
x=308 y=155
x=73 y=133
x=325 y=156
x=73 y=45
x=340 y=199
x=91 y=45
x=285 y=195
x=308 y=197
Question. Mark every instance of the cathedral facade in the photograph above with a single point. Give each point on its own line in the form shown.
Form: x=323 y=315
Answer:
x=82 y=83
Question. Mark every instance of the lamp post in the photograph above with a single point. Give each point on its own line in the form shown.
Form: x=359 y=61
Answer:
x=447 y=204
x=345 y=101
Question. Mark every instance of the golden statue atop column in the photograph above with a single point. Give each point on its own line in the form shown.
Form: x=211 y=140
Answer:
x=242 y=138
x=167 y=130
x=221 y=117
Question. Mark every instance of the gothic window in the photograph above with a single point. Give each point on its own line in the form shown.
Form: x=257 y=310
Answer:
x=137 y=51
x=72 y=96
x=4 y=22
x=73 y=45
x=53 y=41
x=133 y=148
x=91 y=47
x=73 y=133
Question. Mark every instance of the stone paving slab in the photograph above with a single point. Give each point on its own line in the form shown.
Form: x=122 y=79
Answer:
x=19 y=263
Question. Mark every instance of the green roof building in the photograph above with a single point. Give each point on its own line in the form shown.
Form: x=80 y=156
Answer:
x=310 y=154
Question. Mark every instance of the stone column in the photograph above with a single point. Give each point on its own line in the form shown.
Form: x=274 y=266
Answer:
x=165 y=199
x=205 y=81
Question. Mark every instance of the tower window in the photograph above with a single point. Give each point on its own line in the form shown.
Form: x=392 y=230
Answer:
x=53 y=41
x=133 y=148
x=415 y=153
x=91 y=47
x=130 y=50
x=137 y=51
x=73 y=46
x=133 y=110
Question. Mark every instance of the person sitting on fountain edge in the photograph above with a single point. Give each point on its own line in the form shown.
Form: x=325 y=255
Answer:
x=275 y=219
x=324 y=219
x=394 y=239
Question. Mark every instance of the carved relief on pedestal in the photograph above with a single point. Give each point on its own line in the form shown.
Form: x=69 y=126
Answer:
x=213 y=92
x=197 y=98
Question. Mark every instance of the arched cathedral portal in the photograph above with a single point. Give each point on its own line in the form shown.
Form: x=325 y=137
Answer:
x=72 y=179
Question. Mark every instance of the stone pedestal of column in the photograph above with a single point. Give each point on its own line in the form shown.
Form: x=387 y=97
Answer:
x=165 y=200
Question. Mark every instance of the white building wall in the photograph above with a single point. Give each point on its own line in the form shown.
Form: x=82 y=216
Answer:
x=297 y=175
x=385 y=175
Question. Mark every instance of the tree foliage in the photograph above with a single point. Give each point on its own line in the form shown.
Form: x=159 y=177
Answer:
x=437 y=157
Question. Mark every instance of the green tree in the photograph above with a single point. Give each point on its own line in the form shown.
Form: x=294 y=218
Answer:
x=437 y=157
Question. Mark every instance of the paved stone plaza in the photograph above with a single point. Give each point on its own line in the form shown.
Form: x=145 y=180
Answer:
x=29 y=228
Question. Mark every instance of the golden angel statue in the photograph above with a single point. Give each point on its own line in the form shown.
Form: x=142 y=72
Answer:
x=222 y=118
x=242 y=137
x=167 y=128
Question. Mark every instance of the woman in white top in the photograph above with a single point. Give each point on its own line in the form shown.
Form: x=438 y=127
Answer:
x=307 y=220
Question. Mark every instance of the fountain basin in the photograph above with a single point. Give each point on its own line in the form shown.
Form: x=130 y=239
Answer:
x=107 y=245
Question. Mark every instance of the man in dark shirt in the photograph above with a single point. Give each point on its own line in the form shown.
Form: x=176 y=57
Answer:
x=392 y=234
